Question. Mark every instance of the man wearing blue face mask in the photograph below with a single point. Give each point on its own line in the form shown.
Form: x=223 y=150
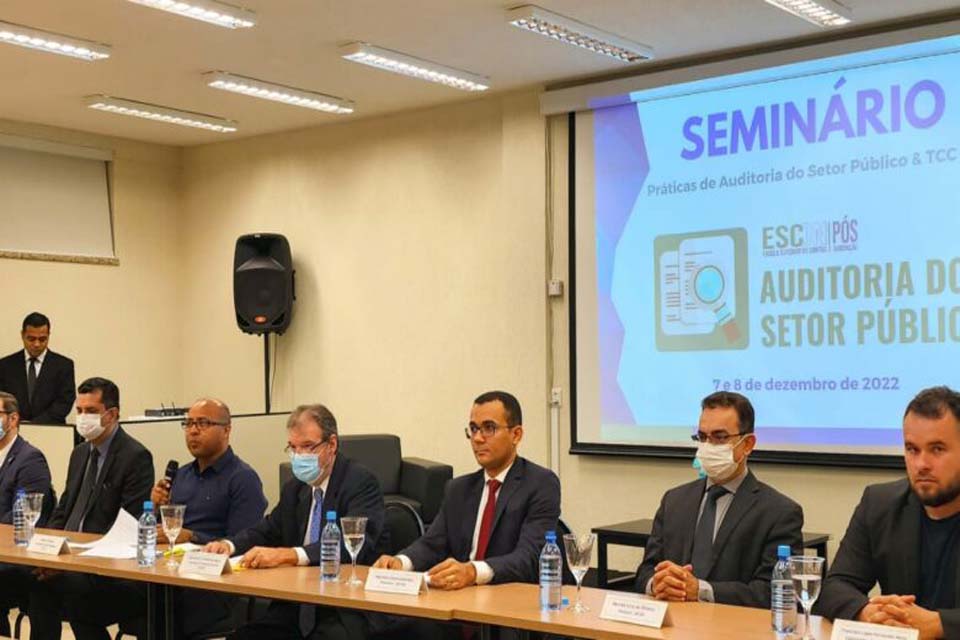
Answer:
x=290 y=535
x=715 y=539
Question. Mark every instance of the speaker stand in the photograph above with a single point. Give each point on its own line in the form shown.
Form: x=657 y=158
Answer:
x=266 y=372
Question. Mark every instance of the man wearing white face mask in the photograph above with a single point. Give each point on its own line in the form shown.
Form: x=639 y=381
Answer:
x=715 y=539
x=323 y=481
x=107 y=472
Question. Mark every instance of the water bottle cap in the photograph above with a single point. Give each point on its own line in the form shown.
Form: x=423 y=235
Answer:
x=783 y=551
x=21 y=492
x=552 y=536
x=331 y=516
x=148 y=505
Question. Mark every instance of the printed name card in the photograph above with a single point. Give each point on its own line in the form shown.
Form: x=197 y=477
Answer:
x=389 y=581
x=635 y=609
x=851 y=630
x=48 y=545
x=204 y=564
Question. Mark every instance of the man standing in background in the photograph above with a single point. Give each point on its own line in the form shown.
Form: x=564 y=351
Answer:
x=41 y=380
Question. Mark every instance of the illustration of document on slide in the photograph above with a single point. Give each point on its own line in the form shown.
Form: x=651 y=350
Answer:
x=701 y=292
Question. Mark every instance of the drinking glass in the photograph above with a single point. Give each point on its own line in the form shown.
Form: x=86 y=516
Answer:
x=354 y=531
x=33 y=507
x=579 y=551
x=807 y=575
x=171 y=515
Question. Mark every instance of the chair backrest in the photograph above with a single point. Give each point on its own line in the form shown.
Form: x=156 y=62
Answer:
x=403 y=526
x=49 y=504
x=380 y=453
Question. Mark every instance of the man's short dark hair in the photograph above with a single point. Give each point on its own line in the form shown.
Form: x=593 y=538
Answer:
x=319 y=414
x=510 y=404
x=109 y=393
x=8 y=402
x=35 y=320
x=724 y=399
x=934 y=402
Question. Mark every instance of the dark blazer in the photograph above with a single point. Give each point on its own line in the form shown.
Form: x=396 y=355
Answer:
x=24 y=468
x=881 y=545
x=528 y=505
x=54 y=394
x=745 y=548
x=351 y=491
x=124 y=482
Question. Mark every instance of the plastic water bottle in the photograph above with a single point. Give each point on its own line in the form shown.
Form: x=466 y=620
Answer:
x=551 y=567
x=21 y=537
x=783 y=608
x=147 y=537
x=330 y=549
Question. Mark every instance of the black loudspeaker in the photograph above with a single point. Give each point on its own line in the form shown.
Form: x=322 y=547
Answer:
x=263 y=291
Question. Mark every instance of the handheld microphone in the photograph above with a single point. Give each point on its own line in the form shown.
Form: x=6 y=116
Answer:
x=171 y=472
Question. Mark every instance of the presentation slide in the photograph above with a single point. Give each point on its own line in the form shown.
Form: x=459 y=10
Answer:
x=791 y=234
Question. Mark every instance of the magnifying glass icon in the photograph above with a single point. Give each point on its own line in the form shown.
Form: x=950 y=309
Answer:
x=708 y=287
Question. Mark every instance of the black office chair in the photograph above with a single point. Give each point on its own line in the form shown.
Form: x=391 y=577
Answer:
x=402 y=526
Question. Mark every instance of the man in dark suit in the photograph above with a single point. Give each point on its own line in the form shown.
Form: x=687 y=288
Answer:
x=22 y=466
x=290 y=534
x=715 y=539
x=905 y=535
x=41 y=380
x=108 y=472
x=492 y=523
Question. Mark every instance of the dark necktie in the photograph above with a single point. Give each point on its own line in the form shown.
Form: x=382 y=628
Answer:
x=486 y=524
x=308 y=612
x=31 y=378
x=86 y=490
x=703 y=538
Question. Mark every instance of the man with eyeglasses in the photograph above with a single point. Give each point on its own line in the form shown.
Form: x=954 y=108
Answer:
x=290 y=534
x=491 y=525
x=715 y=539
x=223 y=496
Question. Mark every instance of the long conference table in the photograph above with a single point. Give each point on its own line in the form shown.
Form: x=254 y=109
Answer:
x=514 y=606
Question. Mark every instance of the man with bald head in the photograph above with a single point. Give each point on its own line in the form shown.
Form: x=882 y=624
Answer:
x=223 y=496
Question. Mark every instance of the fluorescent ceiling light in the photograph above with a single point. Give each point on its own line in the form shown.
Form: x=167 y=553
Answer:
x=823 y=13
x=160 y=114
x=553 y=25
x=414 y=67
x=218 y=13
x=52 y=42
x=277 y=92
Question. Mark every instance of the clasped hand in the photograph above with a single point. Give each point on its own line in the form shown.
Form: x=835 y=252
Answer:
x=675 y=583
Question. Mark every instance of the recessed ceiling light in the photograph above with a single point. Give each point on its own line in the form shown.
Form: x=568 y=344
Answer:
x=277 y=92
x=553 y=25
x=218 y=13
x=159 y=113
x=414 y=67
x=52 y=42
x=823 y=13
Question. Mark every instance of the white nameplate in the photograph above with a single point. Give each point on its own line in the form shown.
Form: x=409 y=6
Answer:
x=389 y=581
x=204 y=564
x=850 y=630
x=635 y=609
x=48 y=545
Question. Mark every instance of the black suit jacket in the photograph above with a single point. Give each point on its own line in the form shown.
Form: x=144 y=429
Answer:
x=881 y=545
x=528 y=505
x=54 y=394
x=24 y=468
x=745 y=548
x=124 y=482
x=351 y=491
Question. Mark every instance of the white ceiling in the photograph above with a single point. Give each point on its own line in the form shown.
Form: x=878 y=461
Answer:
x=158 y=57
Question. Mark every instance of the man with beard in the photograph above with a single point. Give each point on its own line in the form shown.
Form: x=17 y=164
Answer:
x=905 y=534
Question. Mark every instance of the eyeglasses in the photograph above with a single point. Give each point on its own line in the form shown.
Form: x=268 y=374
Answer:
x=200 y=423
x=486 y=428
x=307 y=448
x=716 y=437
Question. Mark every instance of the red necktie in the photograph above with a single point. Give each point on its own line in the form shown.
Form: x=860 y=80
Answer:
x=486 y=524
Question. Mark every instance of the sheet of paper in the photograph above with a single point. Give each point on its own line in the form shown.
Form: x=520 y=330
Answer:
x=120 y=542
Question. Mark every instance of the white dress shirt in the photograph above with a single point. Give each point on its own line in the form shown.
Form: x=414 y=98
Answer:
x=484 y=570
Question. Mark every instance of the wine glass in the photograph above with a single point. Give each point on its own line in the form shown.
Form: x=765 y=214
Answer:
x=354 y=531
x=807 y=575
x=579 y=550
x=33 y=507
x=171 y=515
